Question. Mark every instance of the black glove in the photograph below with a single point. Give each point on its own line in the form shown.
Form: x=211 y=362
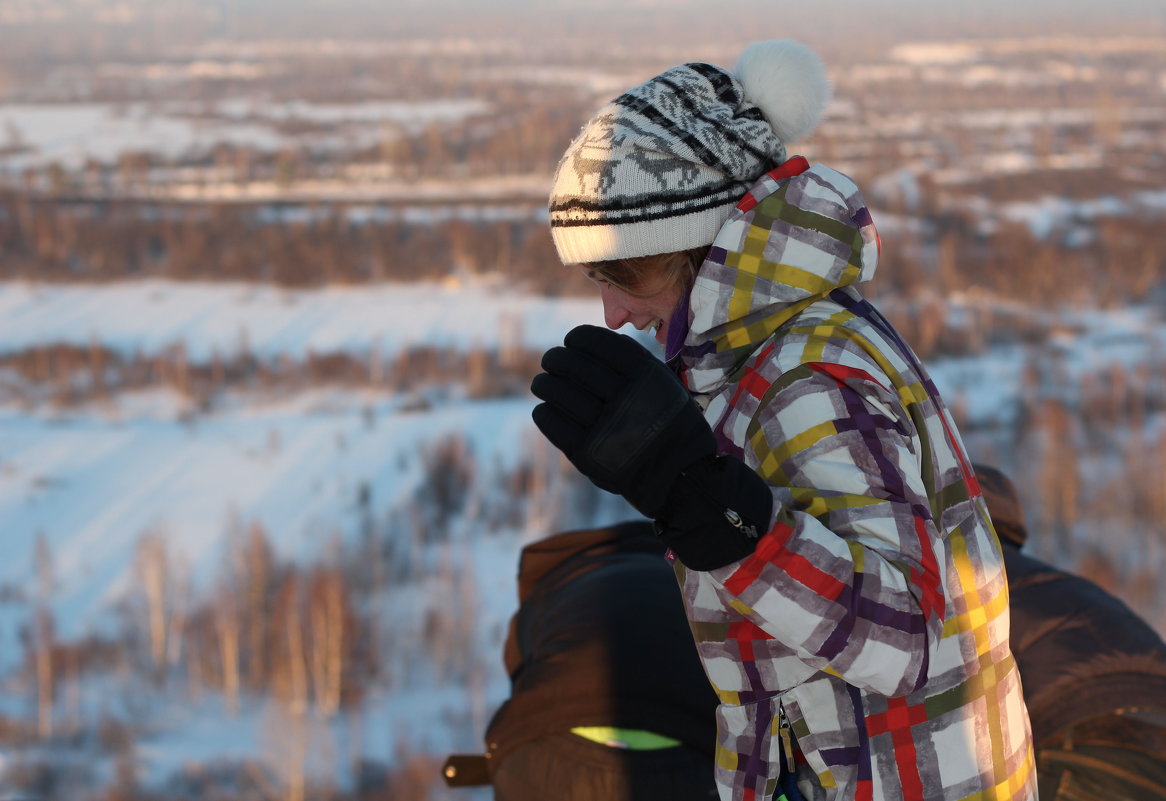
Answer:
x=620 y=415
x=627 y=423
x=717 y=510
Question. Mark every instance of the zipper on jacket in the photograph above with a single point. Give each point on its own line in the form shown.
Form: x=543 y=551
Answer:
x=785 y=732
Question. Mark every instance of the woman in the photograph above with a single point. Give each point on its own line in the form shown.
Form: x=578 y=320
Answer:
x=838 y=566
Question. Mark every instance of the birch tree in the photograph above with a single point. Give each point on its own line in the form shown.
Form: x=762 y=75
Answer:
x=152 y=567
x=43 y=635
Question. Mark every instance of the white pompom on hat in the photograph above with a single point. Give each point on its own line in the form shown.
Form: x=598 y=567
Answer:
x=786 y=80
x=660 y=168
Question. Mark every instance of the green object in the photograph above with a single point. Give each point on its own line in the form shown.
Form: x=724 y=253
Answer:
x=633 y=739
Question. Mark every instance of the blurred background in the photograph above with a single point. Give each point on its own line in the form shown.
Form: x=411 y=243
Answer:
x=274 y=279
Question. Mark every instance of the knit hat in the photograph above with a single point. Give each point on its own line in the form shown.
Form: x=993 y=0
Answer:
x=660 y=167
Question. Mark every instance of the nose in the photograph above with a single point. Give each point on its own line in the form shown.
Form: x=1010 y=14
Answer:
x=614 y=313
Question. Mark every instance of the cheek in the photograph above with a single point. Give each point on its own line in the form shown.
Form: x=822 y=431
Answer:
x=667 y=305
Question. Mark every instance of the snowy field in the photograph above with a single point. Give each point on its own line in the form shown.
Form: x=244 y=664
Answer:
x=93 y=479
x=311 y=467
x=247 y=458
x=74 y=133
x=93 y=487
x=149 y=316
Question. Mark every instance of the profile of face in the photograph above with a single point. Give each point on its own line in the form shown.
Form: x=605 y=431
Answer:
x=652 y=308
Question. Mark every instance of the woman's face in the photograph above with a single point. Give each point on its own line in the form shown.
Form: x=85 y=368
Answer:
x=652 y=310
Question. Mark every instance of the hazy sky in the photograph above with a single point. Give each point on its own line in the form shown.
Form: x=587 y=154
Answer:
x=1053 y=9
x=884 y=19
x=689 y=24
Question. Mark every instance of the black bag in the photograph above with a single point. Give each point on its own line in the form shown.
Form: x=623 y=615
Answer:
x=599 y=639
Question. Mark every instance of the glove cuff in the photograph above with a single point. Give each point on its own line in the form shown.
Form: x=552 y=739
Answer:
x=717 y=510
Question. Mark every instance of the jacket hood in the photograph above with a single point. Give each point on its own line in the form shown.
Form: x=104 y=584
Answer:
x=798 y=234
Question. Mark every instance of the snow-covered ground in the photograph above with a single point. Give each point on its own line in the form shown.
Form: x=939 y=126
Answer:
x=93 y=487
x=148 y=316
x=311 y=468
x=74 y=133
x=92 y=480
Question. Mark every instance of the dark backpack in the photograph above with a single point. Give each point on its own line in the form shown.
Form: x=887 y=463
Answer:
x=600 y=638
x=1094 y=676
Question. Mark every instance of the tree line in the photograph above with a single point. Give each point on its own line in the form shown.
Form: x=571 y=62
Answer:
x=47 y=240
x=1115 y=260
x=64 y=376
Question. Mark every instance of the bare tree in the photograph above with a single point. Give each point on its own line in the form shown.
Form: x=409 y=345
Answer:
x=226 y=617
x=152 y=567
x=292 y=682
x=329 y=616
x=253 y=575
x=43 y=637
x=1059 y=480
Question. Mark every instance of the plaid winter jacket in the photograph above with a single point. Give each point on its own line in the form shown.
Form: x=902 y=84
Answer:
x=872 y=620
